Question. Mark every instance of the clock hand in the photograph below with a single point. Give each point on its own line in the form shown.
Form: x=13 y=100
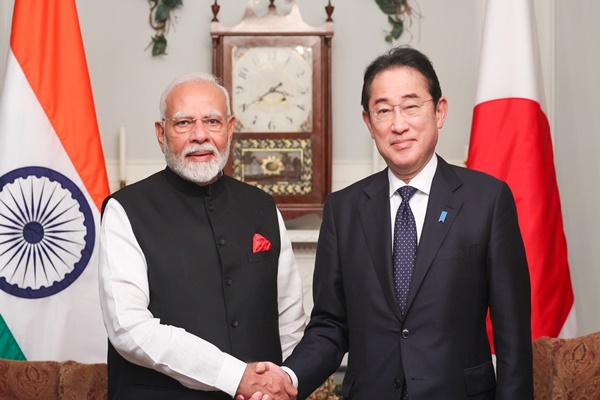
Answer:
x=284 y=93
x=275 y=89
x=272 y=89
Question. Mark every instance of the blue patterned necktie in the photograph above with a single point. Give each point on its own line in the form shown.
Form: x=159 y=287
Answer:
x=405 y=253
x=405 y=246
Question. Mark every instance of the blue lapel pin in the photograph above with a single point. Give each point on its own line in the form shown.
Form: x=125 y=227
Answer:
x=443 y=216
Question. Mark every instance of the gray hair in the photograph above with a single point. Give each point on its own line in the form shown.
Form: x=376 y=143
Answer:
x=193 y=77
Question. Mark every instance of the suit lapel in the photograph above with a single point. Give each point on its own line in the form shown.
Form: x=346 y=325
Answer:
x=376 y=223
x=442 y=208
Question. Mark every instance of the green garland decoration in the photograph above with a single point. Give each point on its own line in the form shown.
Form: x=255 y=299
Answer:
x=397 y=11
x=160 y=19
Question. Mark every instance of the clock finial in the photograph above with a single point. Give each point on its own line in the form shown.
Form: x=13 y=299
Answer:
x=215 y=10
x=329 y=10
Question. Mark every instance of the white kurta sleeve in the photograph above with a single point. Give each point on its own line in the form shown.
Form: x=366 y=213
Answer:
x=143 y=340
x=292 y=318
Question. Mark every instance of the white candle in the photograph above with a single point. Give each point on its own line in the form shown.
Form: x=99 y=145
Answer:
x=122 y=176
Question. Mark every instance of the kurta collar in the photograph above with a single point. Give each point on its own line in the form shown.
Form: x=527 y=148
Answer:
x=193 y=189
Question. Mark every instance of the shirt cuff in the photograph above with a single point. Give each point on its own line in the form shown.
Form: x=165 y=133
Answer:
x=230 y=376
x=292 y=375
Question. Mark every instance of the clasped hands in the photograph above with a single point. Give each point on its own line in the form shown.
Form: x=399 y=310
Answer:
x=265 y=381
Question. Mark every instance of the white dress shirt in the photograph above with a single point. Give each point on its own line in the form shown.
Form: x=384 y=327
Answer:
x=143 y=340
x=418 y=202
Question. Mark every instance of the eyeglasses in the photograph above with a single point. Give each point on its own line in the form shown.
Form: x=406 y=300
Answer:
x=385 y=112
x=184 y=125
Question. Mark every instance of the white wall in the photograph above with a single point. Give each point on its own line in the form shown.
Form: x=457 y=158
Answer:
x=577 y=142
x=127 y=82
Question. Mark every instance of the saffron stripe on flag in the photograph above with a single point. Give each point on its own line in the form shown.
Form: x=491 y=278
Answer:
x=55 y=36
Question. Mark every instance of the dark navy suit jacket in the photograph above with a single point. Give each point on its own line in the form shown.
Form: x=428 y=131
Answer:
x=472 y=261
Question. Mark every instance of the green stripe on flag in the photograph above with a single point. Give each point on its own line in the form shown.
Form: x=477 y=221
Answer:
x=9 y=348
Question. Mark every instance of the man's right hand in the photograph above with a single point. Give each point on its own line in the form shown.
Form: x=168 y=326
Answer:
x=265 y=381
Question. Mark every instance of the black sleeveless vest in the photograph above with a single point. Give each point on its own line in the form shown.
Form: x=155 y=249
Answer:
x=202 y=273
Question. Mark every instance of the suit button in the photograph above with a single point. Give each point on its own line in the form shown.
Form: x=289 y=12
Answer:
x=221 y=242
x=405 y=333
x=211 y=207
x=228 y=282
x=234 y=323
x=397 y=383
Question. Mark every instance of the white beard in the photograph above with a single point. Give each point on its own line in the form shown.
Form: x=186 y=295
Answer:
x=198 y=172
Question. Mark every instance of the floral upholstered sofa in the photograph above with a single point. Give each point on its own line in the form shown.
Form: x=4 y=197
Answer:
x=50 y=380
x=567 y=369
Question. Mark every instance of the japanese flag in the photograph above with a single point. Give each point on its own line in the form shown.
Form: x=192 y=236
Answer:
x=510 y=139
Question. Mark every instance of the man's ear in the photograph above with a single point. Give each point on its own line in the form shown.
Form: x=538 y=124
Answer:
x=230 y=126
x=440 y=111
x=159 y=128
x=367 y=118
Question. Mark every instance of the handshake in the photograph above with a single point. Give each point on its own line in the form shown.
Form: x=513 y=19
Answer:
x=265 y=381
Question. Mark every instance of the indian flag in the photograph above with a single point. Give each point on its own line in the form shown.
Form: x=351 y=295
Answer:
x=510 y=139
x=52 y=183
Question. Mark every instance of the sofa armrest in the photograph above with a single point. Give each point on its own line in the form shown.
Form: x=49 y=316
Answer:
x=82 y=381
x=567 y=368
x=29 y=380
x=577 y=367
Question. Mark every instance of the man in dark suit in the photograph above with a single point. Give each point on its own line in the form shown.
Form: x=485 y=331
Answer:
x=410 y=307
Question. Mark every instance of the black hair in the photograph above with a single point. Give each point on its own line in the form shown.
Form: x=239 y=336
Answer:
x=402 y=56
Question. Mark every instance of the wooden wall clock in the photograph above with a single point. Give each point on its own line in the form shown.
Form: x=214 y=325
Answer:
x=277 y=70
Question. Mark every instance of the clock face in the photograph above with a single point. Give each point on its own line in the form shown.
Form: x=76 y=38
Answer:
x=272 y=89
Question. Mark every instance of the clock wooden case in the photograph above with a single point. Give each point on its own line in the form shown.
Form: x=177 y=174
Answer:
x=277 y=70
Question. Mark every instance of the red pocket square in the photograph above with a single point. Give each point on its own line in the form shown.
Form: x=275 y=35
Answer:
x=260 y=243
